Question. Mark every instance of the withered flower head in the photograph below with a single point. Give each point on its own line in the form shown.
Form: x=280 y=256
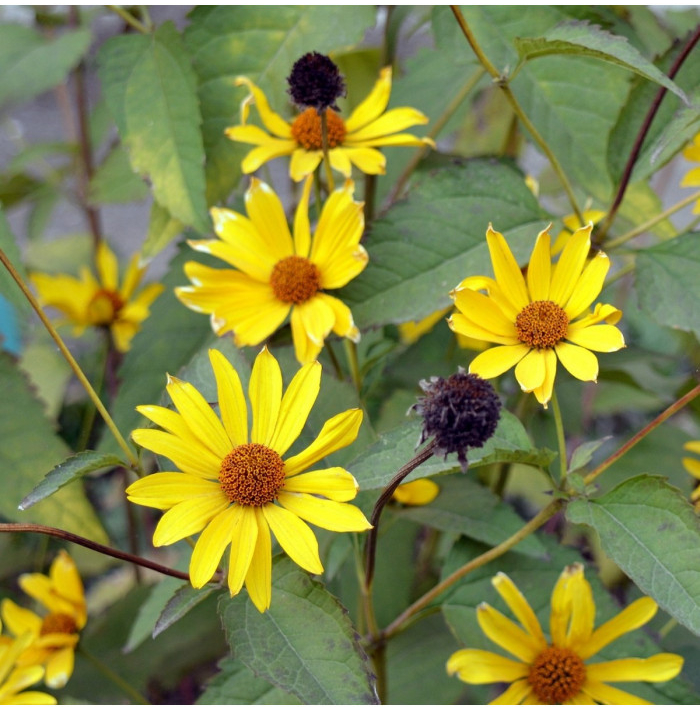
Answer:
x=316 y=82
x=461 y=412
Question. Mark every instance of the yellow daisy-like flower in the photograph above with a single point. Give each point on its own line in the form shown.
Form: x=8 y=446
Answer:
x=277 y=273
x=692 y=465
x=541 y=318
x=418 y=492
x=53 y=637
x=14 y=679
x=89 y=301
x=557 y=671
x=572 y=223
x=692 y=177
x=351 y=142
x=235 y=488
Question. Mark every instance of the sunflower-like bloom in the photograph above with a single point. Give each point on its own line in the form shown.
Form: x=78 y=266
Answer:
x=692 y=465
x=276 y=274
x=236 y=488
x=14 y=679
x=537 y=319
x=418 y=492
x=89 y=301
x=53 y=637
x=557 y=671
x=572 y=223
x=692 y=177
x=351 y=142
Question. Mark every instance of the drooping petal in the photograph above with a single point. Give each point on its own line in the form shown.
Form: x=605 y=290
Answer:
x=658 y=668
x=334 y=483
x=258 y=580
x=589 y=286
x=571 y=262
x=188 y=457
x=265 y=393
x=519 y=606
x=507 y=634
x=530 y=370
x=540 y=267
x=599 y=338
x=302 y=230
x=508 y=275
x=605 y=694
x=244 y=538
x=188 y=517
x=327 y=514
x=266 y=212
x=543 y=393
x=317 y=319
x=373 y=105
x=212 y=543
x=303 y=163
x=165 y=490
x=344 y=325
x=496 y=360
x=579 y=362
x=271 y=120
x=59 y=668
x=337 y=432
x=295 y=537
x=232 y=404
x=305 y=349
x=483 y=667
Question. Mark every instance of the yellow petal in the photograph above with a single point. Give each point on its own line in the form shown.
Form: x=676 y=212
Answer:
x=59 y=668
x=188 y=517
x=35 y=698
x=132 y=278
x=483 y=667
x=530 y=370
x=303 y=163
x=260 y=155
x=571 y=262
x=18 y=679
x=327 y=514
x=417 y=492
x=367 y=160
x=316 y=319
x=520 y=692
x=253 y=135
x=344 y=266
x=210 y=546
x=265 y=393
x=337 y=432
x=582 y=612
x=600 y=338
x=374 y=105
x=191 y=458
x=393 y=121
x=271 y=120
x=658 y=668
x=165 y=490
x=692 y=466
x=334 y=483
x=344 y=325
x=411 y=332
x=540 y=267
x=199 y=416
x=19 y=620
x=462 y=325
x=232 y=404
x=244 y=539
x=107 y=267
x=340 y=160
x=589 y=286
x=561 y=605
x=302 y=230
x=519 y=606
x=692 y=446
x=267 y=214
x=496 y=360
x=258 y=580
x=507 y=634
x=579 y=362
x=401 y=139
x=40 y=588
x=508 y=275
x=605 y=694
x=634 y=616
x=481 y=309
x=692 y=178
x=296 y=406
x=295 y=537
x=305 y=349
x=543 y=393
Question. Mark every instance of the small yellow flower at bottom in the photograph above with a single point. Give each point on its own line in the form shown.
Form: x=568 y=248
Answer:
x=53 y=637
x=235 y=487
x=417 y=492
x=14 y=679
x=557 y=671
x=692 y=465
x=101 y=302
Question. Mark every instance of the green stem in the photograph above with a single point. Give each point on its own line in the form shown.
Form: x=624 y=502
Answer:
x=534 y=524
x=89 y=418
x=663 y=416
x=128 y=18
x=326 y=156
x=502 y=82
x=561 y=439
x=146 y=17
x=113 y=677
x=652 y=222
x=353 y=364
x=133 y=460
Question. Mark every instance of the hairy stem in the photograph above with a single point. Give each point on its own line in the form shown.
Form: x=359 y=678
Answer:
x=129 y=19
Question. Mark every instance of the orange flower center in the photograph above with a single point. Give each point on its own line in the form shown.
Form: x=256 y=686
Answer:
x=306 y=129
x=557 y=675
x=252 y=475
x=58 y=623
x=104 y=306
x=541 y=324
x=295 y=279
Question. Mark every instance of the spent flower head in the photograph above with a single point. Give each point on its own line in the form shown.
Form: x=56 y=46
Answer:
x=315 y=81
x=557 y=670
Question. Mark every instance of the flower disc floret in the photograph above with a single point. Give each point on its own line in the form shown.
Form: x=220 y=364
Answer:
x=58 y=623
x=306 y=129
x=295 y=279
x=557 y=675
x=252 y=474
x=541 y=324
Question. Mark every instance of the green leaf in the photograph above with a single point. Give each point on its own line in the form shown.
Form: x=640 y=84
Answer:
x=236 y=684
x=162 y=229
x=374 y=468
x=151 y=90
x=183 y=601
x=423 y=247
x=114 y=181
x=8 y=286
x=470 y=509
x=31 y=447
x=69 y=470
x=582 y=454
x=582 y=39
x=226 y=41
x=321 y=663
x=30 y=64
x=653 y=534
x=667 y=284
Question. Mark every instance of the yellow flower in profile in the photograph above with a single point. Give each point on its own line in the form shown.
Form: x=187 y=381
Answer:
x=557 y=671
x=418 y=492
x=236 y=488
x=541 y=318
x=53 y=637
x=15 y=679
x=572 y=223
x=276 y=273
x=89 y=301
x=692 y=465
x=692 y=178
x=351 y=142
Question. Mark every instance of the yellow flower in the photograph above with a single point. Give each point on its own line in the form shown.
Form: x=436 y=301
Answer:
x=572 y=223
x=351 y=142
x=100 y=301
x=276 y=273
x=534 y=320
x=692 y=178
x=692 y=465
x=14 y=679
x=53 y=637
x=417 y=492
x=236 y=488
x=557 y=671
